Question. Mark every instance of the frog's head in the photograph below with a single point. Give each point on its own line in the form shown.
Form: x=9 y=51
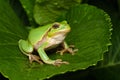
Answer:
x=59 y=28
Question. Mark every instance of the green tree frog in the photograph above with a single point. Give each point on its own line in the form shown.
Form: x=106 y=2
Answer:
x=45 y=38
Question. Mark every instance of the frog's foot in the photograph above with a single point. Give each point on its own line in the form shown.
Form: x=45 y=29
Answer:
x=34 y=58
x=58 y=62
x=70 y=50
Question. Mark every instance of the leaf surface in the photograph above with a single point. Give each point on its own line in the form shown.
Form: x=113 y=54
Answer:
x=90 y=34
x=28 y=6
x=47 y=11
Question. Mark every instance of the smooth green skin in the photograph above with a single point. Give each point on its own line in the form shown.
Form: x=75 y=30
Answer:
x=37 y=35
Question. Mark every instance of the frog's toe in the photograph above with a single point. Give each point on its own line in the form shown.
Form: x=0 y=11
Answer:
x=58 y=62
x=70 y=50
x=34 y=58
x=72 y=46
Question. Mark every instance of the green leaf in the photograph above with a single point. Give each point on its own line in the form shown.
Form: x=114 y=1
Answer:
x=47 y=11
x=113 y=56
x=91 y=26
x=111 y=63
x=28 y=5
x=90 y=34
x=11 y=30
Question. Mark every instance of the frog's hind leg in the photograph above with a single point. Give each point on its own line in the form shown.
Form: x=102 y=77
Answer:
x=27 y=49
x=67 y=48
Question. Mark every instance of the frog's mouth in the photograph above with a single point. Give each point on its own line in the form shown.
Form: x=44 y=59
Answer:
x=62 y=32
x=65 y=30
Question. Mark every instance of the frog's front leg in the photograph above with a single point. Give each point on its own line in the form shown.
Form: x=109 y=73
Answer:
x=46 y=59
x=27 y=49
x=67 y=48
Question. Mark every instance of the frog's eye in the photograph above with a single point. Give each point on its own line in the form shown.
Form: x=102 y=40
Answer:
x=56 y=25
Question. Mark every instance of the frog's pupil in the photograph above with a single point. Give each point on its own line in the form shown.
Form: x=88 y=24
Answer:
x=56 y=25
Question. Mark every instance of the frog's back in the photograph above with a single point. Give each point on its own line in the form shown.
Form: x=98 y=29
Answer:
x=37 y=34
